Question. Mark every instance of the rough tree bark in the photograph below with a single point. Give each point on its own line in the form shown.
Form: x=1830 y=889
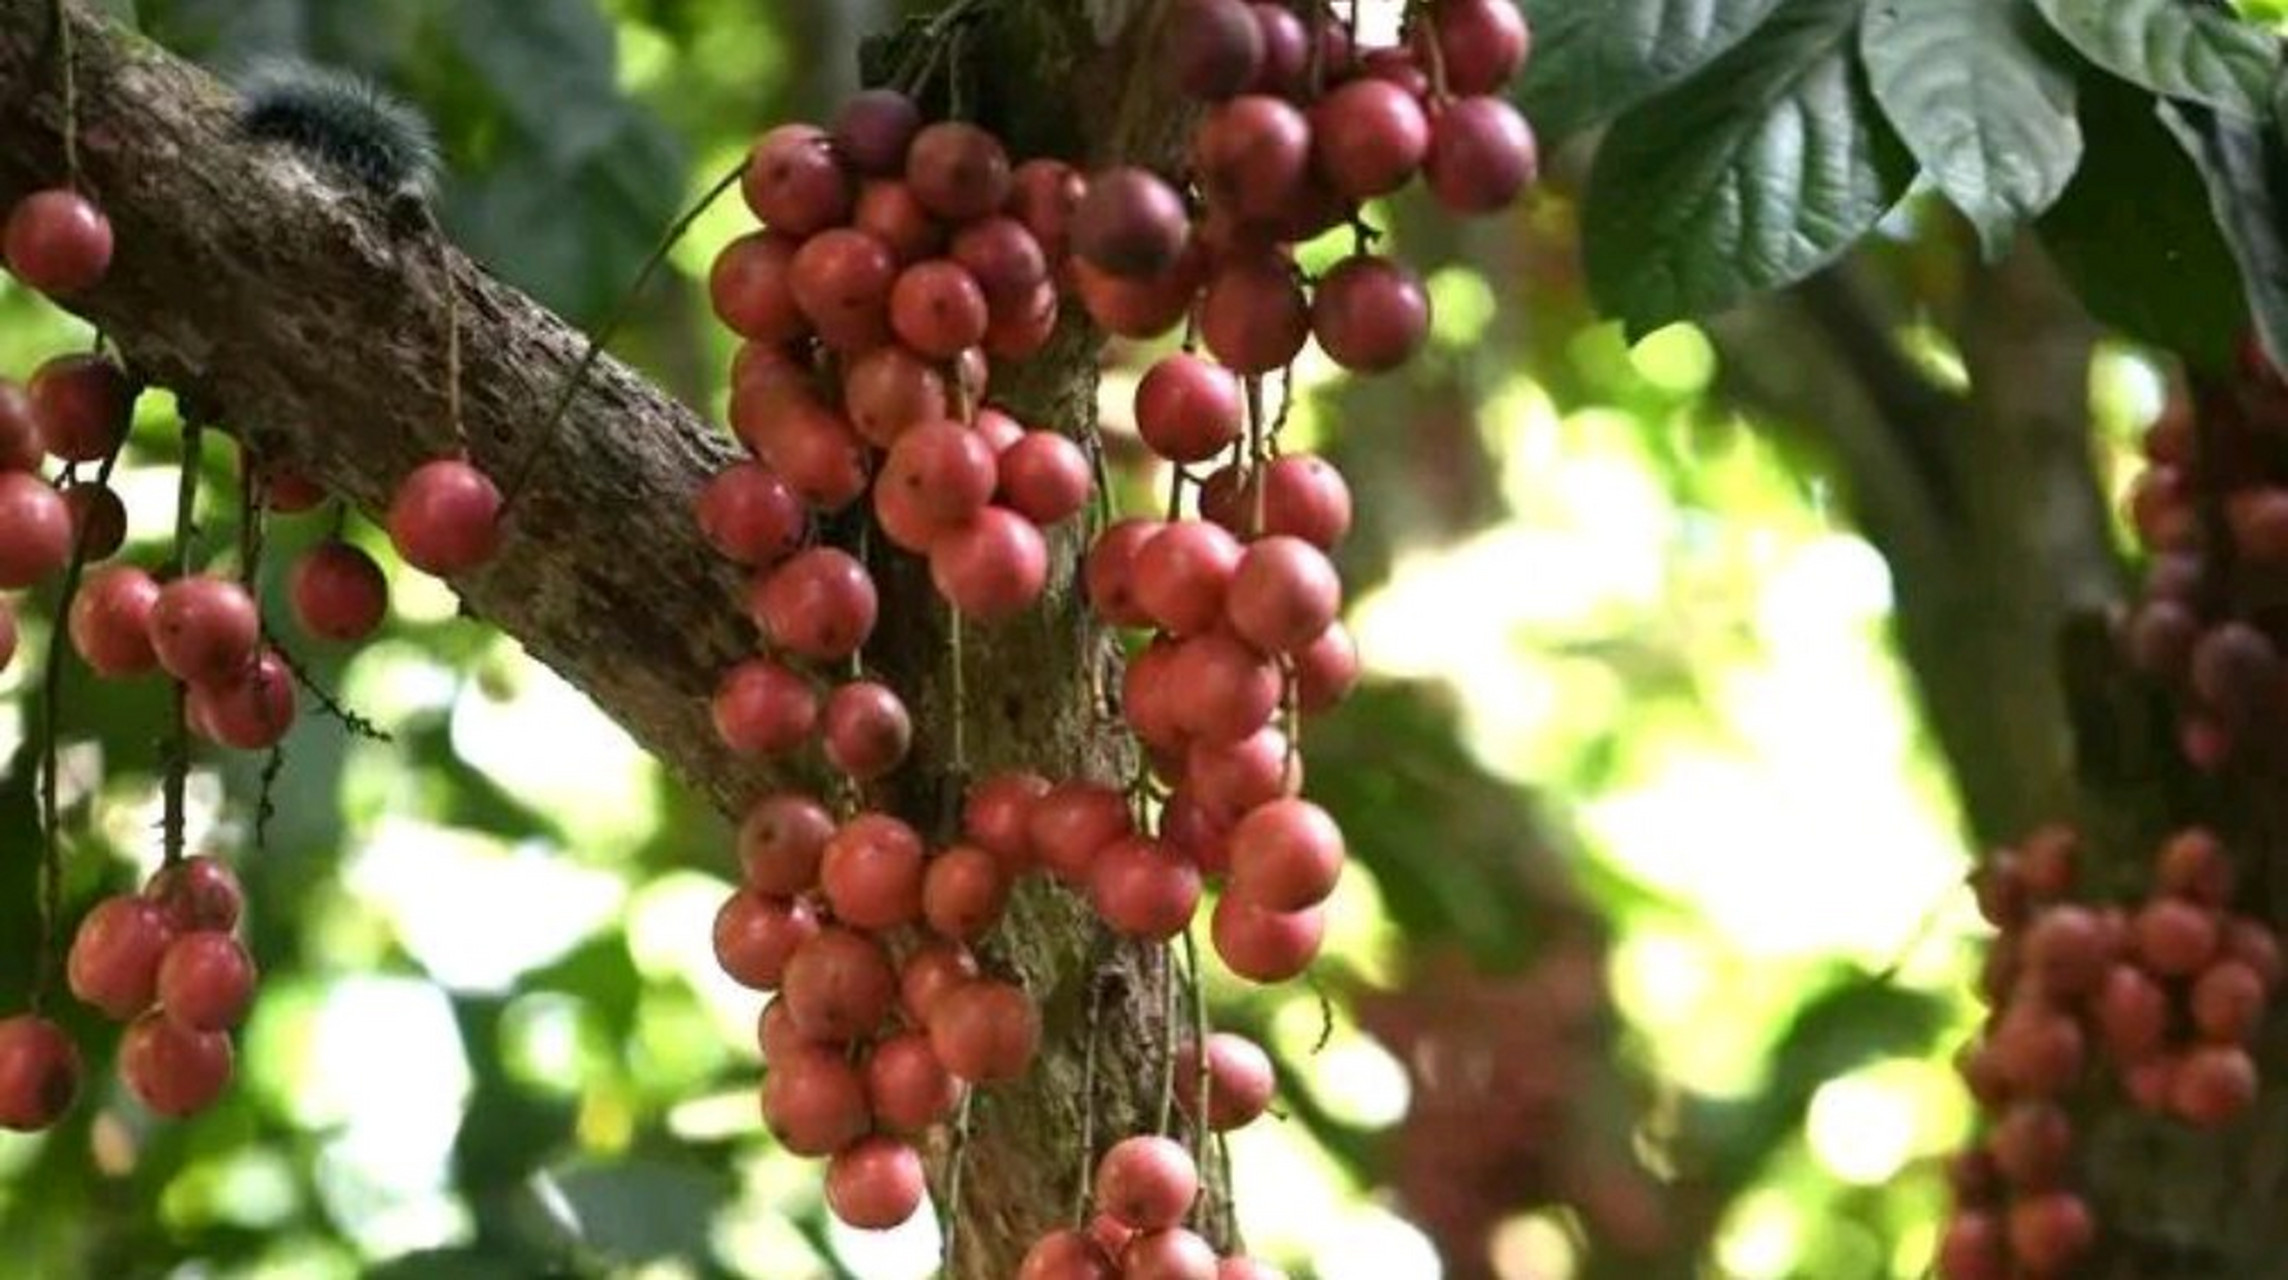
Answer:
x=285 y=305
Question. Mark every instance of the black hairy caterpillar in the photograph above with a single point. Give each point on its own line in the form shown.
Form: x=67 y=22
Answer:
x=344 y=122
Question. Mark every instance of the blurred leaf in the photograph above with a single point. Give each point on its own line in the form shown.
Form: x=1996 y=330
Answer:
x=1766 y=165
x=551 y=65
x=2242 y=166
x=1592 y=61
x=2174 y=49
x=1980 y=93
x=2135 y=236
x=642 y=1210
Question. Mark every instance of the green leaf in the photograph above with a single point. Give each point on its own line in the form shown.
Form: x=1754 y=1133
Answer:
x=1757 y=171
x=1593 y=61
x=552 y=65
x=1981 y=95
x=2174 y=49
x=2135 y=236
x=2243 y=167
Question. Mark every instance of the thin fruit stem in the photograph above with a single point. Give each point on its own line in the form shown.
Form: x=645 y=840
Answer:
x=611 y=326
x=51 y=755
x=1254 y=470
x=1198 y=989
x=1087 y=1105
x=60 y=11
x=179 y=741
x=1167 y=1049
x=960 y=1160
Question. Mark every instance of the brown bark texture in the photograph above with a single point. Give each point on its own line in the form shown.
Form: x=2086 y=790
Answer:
x=294 y=311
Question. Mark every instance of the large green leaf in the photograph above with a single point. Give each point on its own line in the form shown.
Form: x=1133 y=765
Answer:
x=2135 y=235
x=2243 y=167
x=1763 y=167
x=1593 y=61
x=1981 y=94
x=2174 y=49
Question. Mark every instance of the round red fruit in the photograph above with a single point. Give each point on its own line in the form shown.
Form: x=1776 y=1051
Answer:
x=763 y=708
x=1482 y=155
x=872 y=872
x=820 y=604
x=1147 y=1183
x=206 y=981
x=839 y=986
x=755 y=937
x=445 y=518
x=814 y=1102
x=172 y=1069
x=111 y=621
x=338 y=592
x=794 y=183
x=57 y=242
x=875 y=1184
x=1189 y=409
x=985 y=1032
x=992 y=567
x=35 y=530
x=1370 y=314
x=40 y=1072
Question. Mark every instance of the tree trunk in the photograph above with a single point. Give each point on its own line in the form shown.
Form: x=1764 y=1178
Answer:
x=288 y=308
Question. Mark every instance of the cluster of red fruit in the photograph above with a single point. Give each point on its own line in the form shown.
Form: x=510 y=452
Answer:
x=898 y=263
x=2172 y=992
x=2212 y=507
x=167 y=963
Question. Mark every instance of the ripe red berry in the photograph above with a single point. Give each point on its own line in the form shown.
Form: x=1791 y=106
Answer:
x=1368 y=137
x=1481 y=43
x=1284 y=594
x=946 y=472
x=818 y=455
x=1215 y=48
x=114 y=960
x=198 y=894
x=251 y=710
x=1067 y=1255
x=2253 y=943
x=1173 y=1254
x=1189 y=409
x=839 y=986
x=2176 y=938
x=204 y=629
x=890 y=390
x=991 y=567
x=1286 y=855
x=338 y=593
x=751 y=288
x=1240 y=1081
x=1254 y=316
x=873 y=128
x=2066 y=949
x=907 y=1087
x=40 y=1073
x=1019 y=329
x=2032 y=1145
x=888 y=211
x=985 y=1032
x=35 y=530
x=2213 y=1086
x=57 y=242
x=206 y=981
x=866 y=731
x=872 y=872
x=1144 y=888
x=842 y=279
x=1069 y=824
x=1228 y=779
x=781 y=840
x=110 y=621
x=958 y=171
x=21 y=448
x=172 y=1069
x=2040 y=1051
x=1140 y=309
x=1482 y=155
x=99 y=520
x=996 y=814
x=820 y=603
x=2193 y=865
x=1108 y=575
x=1326 y=670
x=1971 y=1247
x=750 y=515
x=933 y=969
x=762 y=708
x=1370 y=314
x=445 y=518
x=1005 y=259
x=2228 y=1002
x=794 y=183
x=2050 y=1231
x=2132 y=1014
x=1043 y=477
x=1266 y=946
x=756 y=935
x=964 y=892
x=875 y=1184
x=1131 y=224
x=1252 y=154
x=287 y=491
x=1222 y=689
x=1286 y=49
x=938 y=309
x=814 y=1102
x=1044 y=195
x=1179 y=578
x=1147 y=1182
